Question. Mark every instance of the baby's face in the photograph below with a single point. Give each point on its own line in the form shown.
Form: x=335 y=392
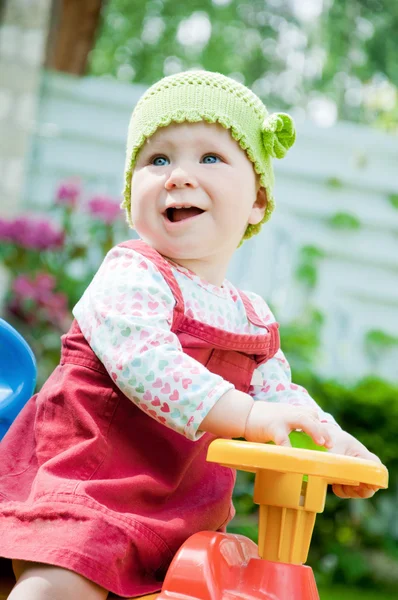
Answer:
x=202 y=169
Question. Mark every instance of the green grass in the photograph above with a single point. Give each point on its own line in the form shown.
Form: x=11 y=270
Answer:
x=342 y=593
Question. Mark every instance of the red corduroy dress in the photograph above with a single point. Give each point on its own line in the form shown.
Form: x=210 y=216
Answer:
x=90 y=482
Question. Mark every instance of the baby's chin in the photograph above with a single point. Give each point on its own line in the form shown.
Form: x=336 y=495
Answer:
x=167 y=249
x=179 y=254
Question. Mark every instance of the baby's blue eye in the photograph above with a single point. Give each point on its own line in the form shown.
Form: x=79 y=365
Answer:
x=211 y=159
x=157 y=161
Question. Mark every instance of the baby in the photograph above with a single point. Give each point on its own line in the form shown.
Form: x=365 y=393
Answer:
x=104 y=474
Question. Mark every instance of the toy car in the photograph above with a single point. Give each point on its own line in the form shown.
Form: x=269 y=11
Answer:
x=290 y=488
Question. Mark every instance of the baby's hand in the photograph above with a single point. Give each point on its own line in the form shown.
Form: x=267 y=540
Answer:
x=272 y=422
x=346 y=444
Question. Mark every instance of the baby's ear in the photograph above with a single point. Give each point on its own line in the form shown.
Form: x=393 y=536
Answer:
x=259 y=206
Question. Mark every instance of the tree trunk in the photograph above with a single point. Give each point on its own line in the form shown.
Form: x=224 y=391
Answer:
x=2 y=10
x=73 y=29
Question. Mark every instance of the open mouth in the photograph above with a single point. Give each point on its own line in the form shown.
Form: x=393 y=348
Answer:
x=181 y=214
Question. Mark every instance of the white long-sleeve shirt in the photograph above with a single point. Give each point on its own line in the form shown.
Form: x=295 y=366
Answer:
x=126 y=315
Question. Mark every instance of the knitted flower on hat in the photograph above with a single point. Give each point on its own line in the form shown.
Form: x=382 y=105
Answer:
x=195 y=96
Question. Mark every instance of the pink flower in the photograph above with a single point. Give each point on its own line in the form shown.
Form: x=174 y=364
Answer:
x=68 y=193
x=104 y=208
x=23 y=287
x=56 y=311
x=32 y=233
x=45 y=283
x=6 y=231
x=35 y=300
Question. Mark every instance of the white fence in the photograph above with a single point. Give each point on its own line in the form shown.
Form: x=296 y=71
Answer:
x=346 y=169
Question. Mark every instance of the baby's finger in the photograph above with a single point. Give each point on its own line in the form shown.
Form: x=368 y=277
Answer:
x=351 y=491
x=365 y=491
x=311 y=411
x=371 y=456
x=327 y=436
x=339 y=491
x=280 y=436
x=313 y=427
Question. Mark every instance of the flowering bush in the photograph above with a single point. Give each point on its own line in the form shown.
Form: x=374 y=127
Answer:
x=31 y=234
x=51 y=260
x=34 y=300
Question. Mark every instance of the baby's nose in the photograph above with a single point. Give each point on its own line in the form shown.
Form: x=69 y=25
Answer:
x=180 y=178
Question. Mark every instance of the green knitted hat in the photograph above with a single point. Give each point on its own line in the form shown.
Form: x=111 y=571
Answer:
x=205 y=96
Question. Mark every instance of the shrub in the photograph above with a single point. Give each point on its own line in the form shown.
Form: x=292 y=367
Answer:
x=51 y=261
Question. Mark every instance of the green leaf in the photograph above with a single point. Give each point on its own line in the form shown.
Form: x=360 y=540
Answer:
x=307 y=273
x=334 y=183
x=380 y=339
x=342 y=220
x=393 y=198
x=311 y=252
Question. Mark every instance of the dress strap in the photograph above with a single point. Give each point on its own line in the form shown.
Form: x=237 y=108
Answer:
x=250 y=311
x=272 y=328
x=165 y=269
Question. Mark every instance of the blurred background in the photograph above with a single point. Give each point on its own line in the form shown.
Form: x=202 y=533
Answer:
x=71 y=72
